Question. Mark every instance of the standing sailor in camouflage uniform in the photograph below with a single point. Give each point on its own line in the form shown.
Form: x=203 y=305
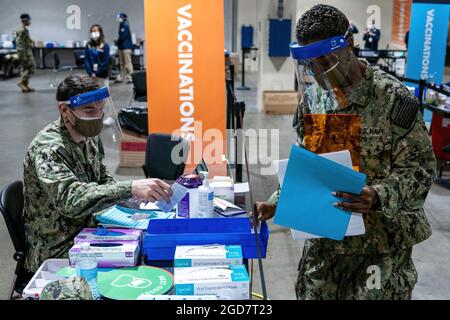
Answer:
x=395 y=155
x=65 y=180
x=24 y=46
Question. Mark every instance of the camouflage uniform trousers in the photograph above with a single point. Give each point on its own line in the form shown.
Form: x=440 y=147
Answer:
x=27 y=65
x=352 y=277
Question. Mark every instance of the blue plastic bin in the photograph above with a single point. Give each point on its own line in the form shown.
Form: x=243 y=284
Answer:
x=200 y=225
x=164 y=235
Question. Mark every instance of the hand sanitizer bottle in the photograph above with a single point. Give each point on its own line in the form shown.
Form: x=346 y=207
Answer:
x=205 y=198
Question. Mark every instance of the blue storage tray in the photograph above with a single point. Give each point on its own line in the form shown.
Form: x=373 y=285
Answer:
x=201 y=225
x=161 y=246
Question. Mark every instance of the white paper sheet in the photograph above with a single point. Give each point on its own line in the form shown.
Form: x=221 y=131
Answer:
x=356 y=223
x=149 y=206
x=178 y=193
x=241 y=187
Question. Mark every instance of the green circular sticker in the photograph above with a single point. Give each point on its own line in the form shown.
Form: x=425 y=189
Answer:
x=130 y=283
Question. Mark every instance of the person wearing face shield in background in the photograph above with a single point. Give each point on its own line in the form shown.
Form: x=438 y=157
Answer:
x=396 y=156
x=125 y=44
x=65 y=180
x=371 y=37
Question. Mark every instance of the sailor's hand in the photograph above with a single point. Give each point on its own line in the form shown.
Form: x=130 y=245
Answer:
x=265 y=210
x=362 y=203
x=151 y=190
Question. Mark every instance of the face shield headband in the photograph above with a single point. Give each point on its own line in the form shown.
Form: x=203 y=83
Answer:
x=92 y=97
x=319 y=48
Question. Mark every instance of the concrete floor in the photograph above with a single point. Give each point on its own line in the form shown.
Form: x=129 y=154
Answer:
x=23 y=115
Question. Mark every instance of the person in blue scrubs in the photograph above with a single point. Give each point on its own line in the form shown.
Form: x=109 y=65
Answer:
x=97 y=60
x=97 y=55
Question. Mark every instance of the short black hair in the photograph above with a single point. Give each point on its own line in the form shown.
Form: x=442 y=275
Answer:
x=25 y=16
x=321 y=22
x=74 y=85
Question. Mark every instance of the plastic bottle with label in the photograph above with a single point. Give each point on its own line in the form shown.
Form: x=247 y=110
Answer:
x=188 y=206
x=86 y=267
x=205 y=198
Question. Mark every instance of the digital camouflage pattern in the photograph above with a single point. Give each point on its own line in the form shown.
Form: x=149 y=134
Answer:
x=75 y=288
x=24 y=46
x=343 y=277
x=400 y=165
x=64 y=184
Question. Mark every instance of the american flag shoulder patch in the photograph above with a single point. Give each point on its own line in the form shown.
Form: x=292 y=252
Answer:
x=405 y=112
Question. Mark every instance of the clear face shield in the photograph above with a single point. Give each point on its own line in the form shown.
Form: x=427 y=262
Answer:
x=326 y=72
x=89 y=109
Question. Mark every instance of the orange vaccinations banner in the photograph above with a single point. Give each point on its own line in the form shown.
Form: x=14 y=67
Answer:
x=186 y=74
x=400 y=22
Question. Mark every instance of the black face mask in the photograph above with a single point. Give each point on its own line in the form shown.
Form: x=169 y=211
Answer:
x=87 y=127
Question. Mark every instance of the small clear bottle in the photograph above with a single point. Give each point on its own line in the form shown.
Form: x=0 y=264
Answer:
x=205 y=198
x=86 y=267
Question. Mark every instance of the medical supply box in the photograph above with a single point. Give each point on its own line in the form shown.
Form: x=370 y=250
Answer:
x=110 y=254
x=207 y=255
x=225 y=282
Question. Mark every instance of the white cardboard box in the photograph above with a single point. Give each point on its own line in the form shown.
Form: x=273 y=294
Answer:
x=225 y=282
x=207 y=255
x=223 y=188
x=111 y=254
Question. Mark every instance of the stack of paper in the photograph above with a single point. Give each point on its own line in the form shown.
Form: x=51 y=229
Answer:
x=306 y=202
x=227 y=209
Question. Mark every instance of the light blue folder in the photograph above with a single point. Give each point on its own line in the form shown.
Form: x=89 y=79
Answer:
x=122 y=217
x=306 y=202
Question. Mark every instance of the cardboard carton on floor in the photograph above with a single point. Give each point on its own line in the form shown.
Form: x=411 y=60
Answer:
x=132 y=150
x=280 y=102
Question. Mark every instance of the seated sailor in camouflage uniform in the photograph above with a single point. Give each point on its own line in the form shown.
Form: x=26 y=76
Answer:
x=65 y=180
x=395 y=154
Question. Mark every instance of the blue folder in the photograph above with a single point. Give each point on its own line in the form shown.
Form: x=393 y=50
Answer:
x=306 y=202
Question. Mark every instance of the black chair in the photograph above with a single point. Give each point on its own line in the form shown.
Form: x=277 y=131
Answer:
x=11 y=206
x=158 y=156
x=79 y=58
x=140 y=86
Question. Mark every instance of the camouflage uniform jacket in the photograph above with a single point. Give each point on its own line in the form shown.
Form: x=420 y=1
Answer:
x=24 y=44
x=396 y=156
x=64 y=184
